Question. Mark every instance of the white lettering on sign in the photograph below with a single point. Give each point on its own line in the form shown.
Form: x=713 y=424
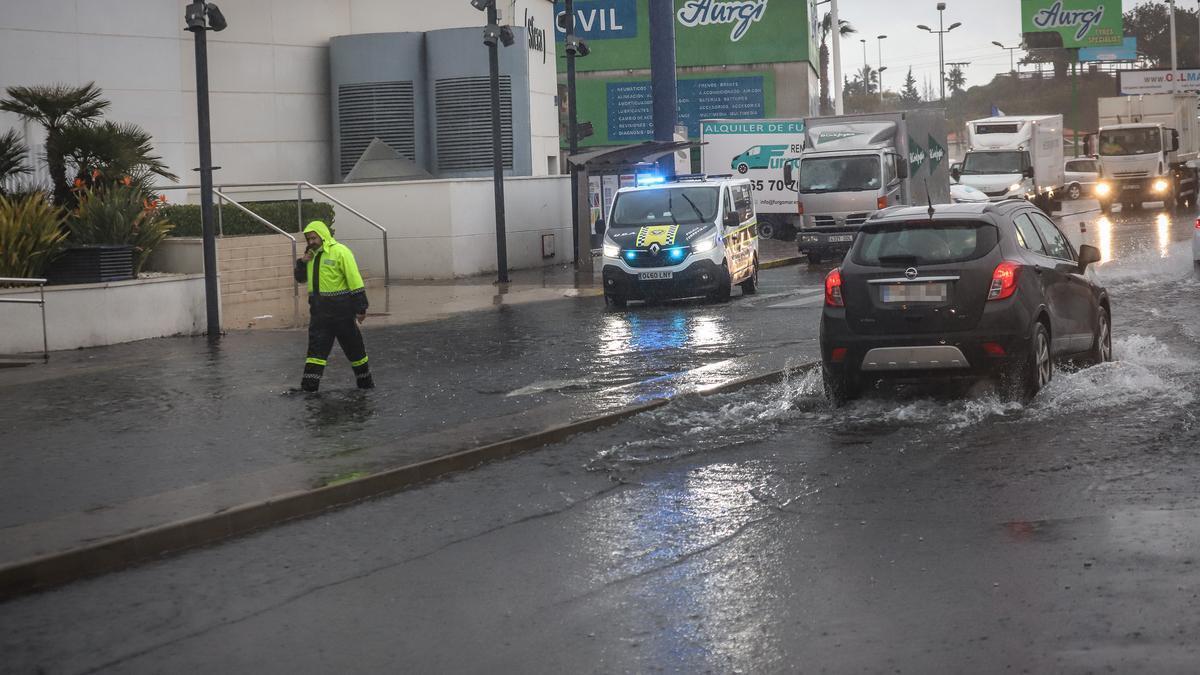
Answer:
x=595 y=19
x=741 y=13
x=1081 y=20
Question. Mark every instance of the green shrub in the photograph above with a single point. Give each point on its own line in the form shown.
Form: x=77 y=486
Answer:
x=119 y=214
x=30 y=235
x=282 y=214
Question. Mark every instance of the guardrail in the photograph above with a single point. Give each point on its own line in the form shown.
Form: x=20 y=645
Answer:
x=41 y=283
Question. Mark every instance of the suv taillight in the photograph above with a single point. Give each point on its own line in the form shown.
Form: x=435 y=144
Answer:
x=833 y=289
x=1004 y=280
x=1198 y=223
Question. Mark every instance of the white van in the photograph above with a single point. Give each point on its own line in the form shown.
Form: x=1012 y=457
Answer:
x=685 y=237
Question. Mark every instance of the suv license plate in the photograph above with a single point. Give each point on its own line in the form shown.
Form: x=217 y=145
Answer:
x=841 y=237
x=927 y=292
x=654 y=276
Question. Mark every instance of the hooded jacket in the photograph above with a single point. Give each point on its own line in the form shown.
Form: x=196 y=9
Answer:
x=335 y=288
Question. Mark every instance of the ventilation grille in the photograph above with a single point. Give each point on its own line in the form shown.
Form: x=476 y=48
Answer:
x=377 y=109
x=464 y=123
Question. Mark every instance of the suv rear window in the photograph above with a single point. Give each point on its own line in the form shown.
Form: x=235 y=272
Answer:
x=923 y=242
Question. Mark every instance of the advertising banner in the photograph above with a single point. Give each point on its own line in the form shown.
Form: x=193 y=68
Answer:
x=1081 y=23
x=1134 y=82
x=1127 y=51
x=707 y=32
x=757 y=150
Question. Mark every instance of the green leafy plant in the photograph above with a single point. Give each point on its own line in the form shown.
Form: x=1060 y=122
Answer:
x=56 y=107
x=108 y=153
x=31 y=234
x=119 y=214
x=12 y=159
x=235 y=222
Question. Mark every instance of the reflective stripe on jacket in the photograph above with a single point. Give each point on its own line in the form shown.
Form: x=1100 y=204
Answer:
x=337 y=275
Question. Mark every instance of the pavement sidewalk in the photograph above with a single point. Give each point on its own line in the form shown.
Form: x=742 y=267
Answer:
x=105 y=442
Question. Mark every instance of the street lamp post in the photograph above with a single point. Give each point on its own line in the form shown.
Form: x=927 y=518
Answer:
x=201 y=17
x=493 y=36
x=574 y=48
x=882 y=68
x=835 y=52
x=1174 y=49
x=941 y=33
x=866 y=69
x=1012 y=67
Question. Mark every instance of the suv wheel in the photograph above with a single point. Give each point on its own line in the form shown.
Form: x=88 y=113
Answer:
x=1037 y=368
x=1102 y=351
x=841 y=388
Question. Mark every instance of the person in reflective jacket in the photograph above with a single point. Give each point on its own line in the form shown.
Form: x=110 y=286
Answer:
x=337 y=303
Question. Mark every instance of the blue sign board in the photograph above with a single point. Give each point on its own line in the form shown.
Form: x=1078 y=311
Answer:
x=1125 y=52
x=601 y=19
x=630 y=116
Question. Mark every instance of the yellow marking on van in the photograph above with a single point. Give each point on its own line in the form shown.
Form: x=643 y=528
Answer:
x=663 y=235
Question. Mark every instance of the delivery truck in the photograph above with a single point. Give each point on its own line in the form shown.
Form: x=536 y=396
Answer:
x=854 y=165
x=1015 y=157
x=757 y=149
x=1147 y=147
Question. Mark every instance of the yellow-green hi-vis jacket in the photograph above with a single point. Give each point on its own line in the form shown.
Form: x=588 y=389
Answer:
x=335 y=286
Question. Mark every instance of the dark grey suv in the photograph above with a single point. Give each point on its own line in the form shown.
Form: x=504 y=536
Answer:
x=961 y=290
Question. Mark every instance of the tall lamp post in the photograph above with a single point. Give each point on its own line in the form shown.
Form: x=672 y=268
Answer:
x=835 y=53
x=941 y=33
x=575 y=48
x=493 y=35
x=201 y=17
x=866 y=69
x=882 y=68
x=1012 y=64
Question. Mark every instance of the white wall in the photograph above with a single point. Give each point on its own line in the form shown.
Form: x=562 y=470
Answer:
x=92 y=315
x=441 y=229
x=269 y=72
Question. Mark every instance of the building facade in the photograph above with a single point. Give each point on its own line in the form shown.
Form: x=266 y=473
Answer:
x=270 y=75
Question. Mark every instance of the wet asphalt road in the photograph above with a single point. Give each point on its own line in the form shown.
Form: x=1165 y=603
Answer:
x=755 y=531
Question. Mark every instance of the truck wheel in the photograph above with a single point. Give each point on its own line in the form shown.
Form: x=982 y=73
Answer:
x=767 y=229
x=814 y=257
x=750 y=285
x=1106 y=208
x=1074 y=191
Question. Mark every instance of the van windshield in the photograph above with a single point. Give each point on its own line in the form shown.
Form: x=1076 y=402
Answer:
x=666 y=206
x=839 y=174
x=993 y=162
x=1143 y=141
x=923 y=243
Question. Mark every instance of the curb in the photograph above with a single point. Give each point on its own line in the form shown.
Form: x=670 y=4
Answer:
x=781 y=262
x=125 y=551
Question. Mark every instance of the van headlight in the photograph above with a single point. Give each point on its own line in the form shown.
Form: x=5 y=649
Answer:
x=704 y=245
x=611 y=250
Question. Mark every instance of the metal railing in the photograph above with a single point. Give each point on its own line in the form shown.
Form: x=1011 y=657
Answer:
x=300 y=186
x=278 y=230
x=41 y=284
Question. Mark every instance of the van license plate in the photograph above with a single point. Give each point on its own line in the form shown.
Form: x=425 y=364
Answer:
x=833 y=238
x=928 y=292
x=654 y=276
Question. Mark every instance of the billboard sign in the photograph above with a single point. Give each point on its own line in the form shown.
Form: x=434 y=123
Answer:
x=707 y=32
x=1134 y=82
x=1126 y=51
x=1081 y=23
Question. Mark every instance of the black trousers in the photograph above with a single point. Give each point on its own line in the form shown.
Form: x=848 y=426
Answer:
x=322 y=331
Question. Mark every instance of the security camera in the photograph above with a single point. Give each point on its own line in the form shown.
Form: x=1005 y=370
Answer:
x=577 y=47
x=506 y=36
x=216 y=20
x=482 y=5
x=491 y=35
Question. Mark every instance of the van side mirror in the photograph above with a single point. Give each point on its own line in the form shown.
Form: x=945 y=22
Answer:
x=1088 y=255
x=788 y=179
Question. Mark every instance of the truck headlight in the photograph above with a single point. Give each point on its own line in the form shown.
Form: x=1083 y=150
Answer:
x=704 y=245
x=1102 y=189
x=1160 y=186
x=1014 y=187
x=611 y=250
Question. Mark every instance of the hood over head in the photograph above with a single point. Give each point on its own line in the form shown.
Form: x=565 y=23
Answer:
x=322 y=231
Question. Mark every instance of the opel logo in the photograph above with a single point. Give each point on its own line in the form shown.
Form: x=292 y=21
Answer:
x=654 y=249
x=911 y=273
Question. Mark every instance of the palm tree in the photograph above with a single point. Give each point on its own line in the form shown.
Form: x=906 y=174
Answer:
x=844 y=28
x=55 y=107
x=956 y=80
x=12 y=158
x=109 y=152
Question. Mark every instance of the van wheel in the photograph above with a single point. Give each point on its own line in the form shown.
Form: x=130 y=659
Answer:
x=615 y=300
x=841 y=388
x=743 y=167
x=750 y=286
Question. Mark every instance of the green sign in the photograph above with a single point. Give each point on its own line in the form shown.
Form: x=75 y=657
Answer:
x=831 y=136
x=1081 y=23
x=707 y=32
x=916 y=156
x=936 y=154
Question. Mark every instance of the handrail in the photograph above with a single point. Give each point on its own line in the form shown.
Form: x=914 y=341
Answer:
x=300 y=185
x=32 y=281
x=264 y=221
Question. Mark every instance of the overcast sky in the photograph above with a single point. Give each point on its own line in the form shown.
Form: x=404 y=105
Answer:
x=982 y=22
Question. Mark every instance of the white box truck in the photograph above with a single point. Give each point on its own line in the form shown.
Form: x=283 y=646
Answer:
x=1015 y=157
x=757 y=149
x=855 y=165
x=1147 y=146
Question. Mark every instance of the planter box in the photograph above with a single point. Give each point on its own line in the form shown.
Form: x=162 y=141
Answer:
x=92 y=265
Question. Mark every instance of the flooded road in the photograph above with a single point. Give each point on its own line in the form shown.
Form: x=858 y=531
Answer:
x=761 y=530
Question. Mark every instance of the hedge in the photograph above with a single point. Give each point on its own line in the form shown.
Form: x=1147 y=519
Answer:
x=236 y=222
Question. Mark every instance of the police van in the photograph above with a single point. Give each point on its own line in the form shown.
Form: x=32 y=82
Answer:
x=687 y=236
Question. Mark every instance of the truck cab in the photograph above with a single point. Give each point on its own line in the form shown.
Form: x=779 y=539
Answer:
x=1015 y=157
x=1146 y=146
